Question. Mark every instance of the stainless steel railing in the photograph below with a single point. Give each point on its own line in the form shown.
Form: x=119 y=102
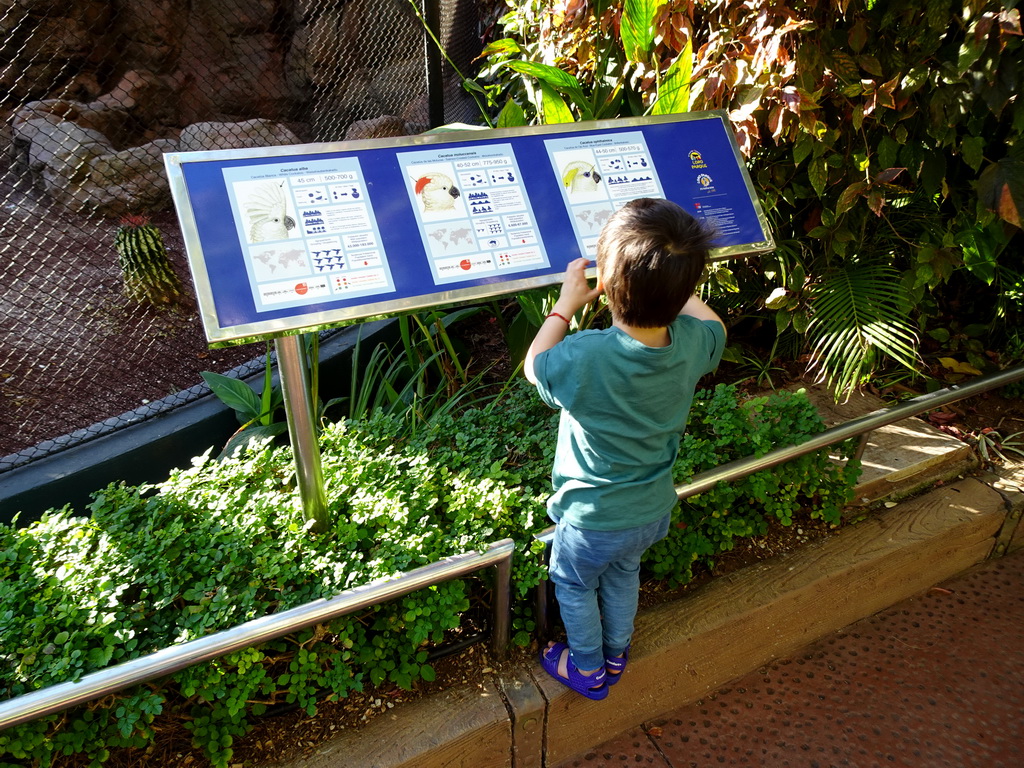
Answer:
x=55 y=698
x=861 y=427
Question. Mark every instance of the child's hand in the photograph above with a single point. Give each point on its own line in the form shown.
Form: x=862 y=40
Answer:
x=576 y=291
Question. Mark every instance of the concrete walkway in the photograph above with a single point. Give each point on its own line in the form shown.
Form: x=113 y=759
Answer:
x=934 y=681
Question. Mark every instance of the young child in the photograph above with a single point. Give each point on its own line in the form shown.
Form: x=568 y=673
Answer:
x=625 y=394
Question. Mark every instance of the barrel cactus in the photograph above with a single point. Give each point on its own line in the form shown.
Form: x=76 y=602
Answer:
x=145 y=267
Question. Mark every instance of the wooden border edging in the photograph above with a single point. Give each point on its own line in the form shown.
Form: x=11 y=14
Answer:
x=689 y=647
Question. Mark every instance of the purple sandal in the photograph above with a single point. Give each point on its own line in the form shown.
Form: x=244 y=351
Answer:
x=616 y=665
x=592 y=686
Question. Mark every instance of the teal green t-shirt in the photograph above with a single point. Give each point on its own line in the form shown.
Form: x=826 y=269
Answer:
x=624 y=407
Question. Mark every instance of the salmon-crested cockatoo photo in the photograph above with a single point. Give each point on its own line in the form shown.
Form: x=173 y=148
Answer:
x=267 y=208
x=437 y=191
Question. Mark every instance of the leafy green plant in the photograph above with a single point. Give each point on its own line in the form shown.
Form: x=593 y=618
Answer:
x=991 y=444
x=421 y=378
x=586 y=61
x=256 y=413
x=723 y=428
x=534 y=306
x=877 y=134
x=223 y=542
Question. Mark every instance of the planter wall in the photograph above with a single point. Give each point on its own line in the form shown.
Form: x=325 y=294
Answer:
x=157 y=440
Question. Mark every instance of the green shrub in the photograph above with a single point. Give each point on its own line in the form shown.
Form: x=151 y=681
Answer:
x=223 y=542
x=723 y=429
x=884 y=140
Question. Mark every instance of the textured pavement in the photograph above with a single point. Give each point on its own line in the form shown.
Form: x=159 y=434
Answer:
x=936 y=681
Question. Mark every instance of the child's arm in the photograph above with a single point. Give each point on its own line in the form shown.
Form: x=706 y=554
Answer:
x=576 y=292
x=694 y=307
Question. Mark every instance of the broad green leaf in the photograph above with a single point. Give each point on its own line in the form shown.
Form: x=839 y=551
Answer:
x=979 y=259
x=858 y=36
x=637 y=28
x=243 y=438
x=512 y=115
x=235 y=394
x=970 y=51
x=561 y=81
x=800 y=321
x=782 y=321
x=506 y=46
x=972 y=149
x=888 y=151
x=777 y=299
x=674 y=89
x=726 y=280
x=553 y=107
x=871 y=65
x=818 y=173
x=802 y=147
x=845 y=67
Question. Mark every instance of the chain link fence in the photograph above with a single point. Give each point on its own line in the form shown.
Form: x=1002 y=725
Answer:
x=93 y=92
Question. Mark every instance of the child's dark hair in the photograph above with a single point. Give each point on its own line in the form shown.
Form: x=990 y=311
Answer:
x=650 y=257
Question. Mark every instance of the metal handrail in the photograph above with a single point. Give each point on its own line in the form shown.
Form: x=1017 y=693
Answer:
x=55 y=698
x=861 y=426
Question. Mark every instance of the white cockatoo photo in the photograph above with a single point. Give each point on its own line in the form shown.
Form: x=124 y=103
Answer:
x=437 y=191
x=267 y=208
x=580 y=176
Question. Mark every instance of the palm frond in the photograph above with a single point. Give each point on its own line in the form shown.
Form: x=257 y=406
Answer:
x=860 y=313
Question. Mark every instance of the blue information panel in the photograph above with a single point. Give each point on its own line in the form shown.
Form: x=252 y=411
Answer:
x=285 y=238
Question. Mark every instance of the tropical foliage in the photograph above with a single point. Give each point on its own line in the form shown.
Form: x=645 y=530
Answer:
x=884 y=140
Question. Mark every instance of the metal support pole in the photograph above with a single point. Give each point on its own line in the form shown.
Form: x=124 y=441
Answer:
x=502 y=608
x=862 y=444
x=298 y=406
x=435 y=77
x=542 y=603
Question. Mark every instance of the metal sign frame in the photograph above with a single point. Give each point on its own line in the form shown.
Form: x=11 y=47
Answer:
x=205 y=187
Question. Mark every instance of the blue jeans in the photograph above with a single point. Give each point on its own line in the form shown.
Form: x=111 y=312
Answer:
x=597 y=584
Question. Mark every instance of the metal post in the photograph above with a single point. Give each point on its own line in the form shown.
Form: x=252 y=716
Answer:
x=542 y=601
x=502 y=608
x=298 y=406
x=862 y=444
x=435 y=79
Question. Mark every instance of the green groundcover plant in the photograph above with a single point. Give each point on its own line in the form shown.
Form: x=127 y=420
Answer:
x=223 y=542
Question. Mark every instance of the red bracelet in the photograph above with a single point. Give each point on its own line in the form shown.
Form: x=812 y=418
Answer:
x=560 y=317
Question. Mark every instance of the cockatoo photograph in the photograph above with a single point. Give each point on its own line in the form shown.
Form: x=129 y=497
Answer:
x=437 y=192
x=266 y=205
x=581 y=178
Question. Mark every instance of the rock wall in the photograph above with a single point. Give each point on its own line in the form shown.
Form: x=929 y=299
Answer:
x=218 y=59
x=94 y=87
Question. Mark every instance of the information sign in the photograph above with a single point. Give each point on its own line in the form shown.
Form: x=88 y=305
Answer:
x=285 y=238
